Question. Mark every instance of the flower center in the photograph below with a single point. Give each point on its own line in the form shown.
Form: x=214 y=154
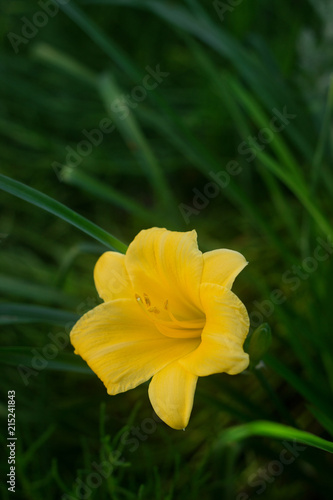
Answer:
x=167 y=323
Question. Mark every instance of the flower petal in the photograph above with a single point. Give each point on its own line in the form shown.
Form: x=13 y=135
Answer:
x=111 y=278
x=166 y=267
x=222 y=266
x=227 y=324
x=123 y=347
x=171 y=394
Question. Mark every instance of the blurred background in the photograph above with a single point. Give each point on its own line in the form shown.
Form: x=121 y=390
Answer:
x=206 y=115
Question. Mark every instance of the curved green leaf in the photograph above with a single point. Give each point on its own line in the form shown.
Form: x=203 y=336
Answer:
x=54 y=207
x=274 y=431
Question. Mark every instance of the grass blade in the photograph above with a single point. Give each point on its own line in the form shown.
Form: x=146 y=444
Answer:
x=136 y=141
x=105 y=43
x=275 y=431
x=43 y=201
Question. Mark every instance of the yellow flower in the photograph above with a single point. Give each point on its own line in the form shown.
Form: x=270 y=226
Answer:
x=169 y=314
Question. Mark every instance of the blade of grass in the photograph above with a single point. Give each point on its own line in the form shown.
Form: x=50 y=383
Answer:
x=46 y=52
x=95 y=33
x=323 y=139
x=282 y=204
x=261 y=119
x=224 y=92
x=180 y=135
x=299 y=189
x=136 y=141
x=54 y=207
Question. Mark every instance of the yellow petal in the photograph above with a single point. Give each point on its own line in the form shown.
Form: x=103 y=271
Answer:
x=227 y=324
x=171 y=394
x=222 y=266
x=111 y=278
x=166 y=268
x=122 y=347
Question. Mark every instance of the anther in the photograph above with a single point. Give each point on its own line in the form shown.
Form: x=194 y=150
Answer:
x=147 y=301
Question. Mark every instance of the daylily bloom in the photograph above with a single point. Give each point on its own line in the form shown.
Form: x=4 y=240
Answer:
x=168 y=314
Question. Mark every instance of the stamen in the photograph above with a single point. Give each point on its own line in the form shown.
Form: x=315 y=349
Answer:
x=186 y=323
x=172 y=322
x=151 y=309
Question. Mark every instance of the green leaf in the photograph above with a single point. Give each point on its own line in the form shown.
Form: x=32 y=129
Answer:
x=46 y=52
x=262 y=120
x=275 y=431
x=102 y=41
x=323 y=140
x=300 y=190
x=54 y=207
